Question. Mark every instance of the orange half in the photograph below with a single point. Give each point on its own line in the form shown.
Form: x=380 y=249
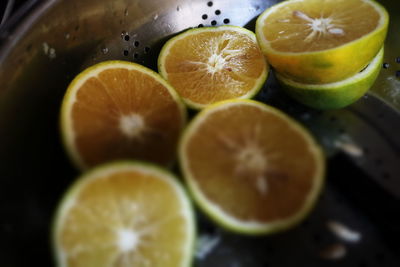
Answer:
x=125 y=214
x=318 y=42
x=250 y=167
x=210 y=64
x=121 y=110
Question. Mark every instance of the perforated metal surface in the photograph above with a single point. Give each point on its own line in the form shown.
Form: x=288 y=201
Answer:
x=362 y=141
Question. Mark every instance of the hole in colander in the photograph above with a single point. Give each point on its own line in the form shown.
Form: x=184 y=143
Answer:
x=397 y=73
x=378 y=161
x=386 y=176
x=213 y=22
x=317 y=238
x=210 y=3
x=200 y=25
x=226 y=21
x=332 y=119
x=136 y=43
x=204 y=16
x=385 y=65
x=146 y=49
x=270 y=250
x=126 y=52
x=306 y=223
x=217 y=12
x=135 y=55
x=126 y=37
x=380 y=256
x=397 y=59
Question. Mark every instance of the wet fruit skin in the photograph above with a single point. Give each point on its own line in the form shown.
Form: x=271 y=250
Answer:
x=321 y=98
x=322 y=67
x=348 y=60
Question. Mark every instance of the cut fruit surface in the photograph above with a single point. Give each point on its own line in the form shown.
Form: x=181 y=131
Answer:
x=125 y=214
x=315 y=41
x=121 y=110
x=250 y=167
x=334 y=95
x=211 y=64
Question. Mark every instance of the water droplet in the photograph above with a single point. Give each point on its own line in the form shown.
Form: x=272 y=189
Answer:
x=52 y=53
x=67 y=36
x=104 y=50
x=336 y=31
x=306 y=116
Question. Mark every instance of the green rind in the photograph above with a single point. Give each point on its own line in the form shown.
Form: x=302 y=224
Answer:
x=93 y=173
x=66 y=128
x=334 y=95
x=325 y=66
x=170 y=42
x=225 y=220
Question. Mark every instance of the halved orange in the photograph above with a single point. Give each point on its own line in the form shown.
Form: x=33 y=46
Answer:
x=125 y=214
x=250 y=167
x=313 y=41
x=121 y=110
x=210 y=64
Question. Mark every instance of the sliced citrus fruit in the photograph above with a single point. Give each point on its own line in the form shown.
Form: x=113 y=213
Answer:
x=334 y=95
x=124 y=214
x=210 y=64
x=313 y=41
x=250 y=167
x=121 y=110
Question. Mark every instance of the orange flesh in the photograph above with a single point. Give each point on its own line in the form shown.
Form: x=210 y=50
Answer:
x=212 y=66
x=96 y=115
x=239 y=183
x=288 y=29
x=124 y=201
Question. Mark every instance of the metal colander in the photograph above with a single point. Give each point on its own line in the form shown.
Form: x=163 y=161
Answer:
x=45 y=44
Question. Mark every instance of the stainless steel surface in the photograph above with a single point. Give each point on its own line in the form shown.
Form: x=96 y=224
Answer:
x=7 y=11
x=40 y=56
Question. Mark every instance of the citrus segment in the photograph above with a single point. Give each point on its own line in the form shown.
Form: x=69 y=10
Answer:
x=314 y=41
x=250 y=167
x=334 y=95
x=207 y=65
x=121 y=110
x=124 y=214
